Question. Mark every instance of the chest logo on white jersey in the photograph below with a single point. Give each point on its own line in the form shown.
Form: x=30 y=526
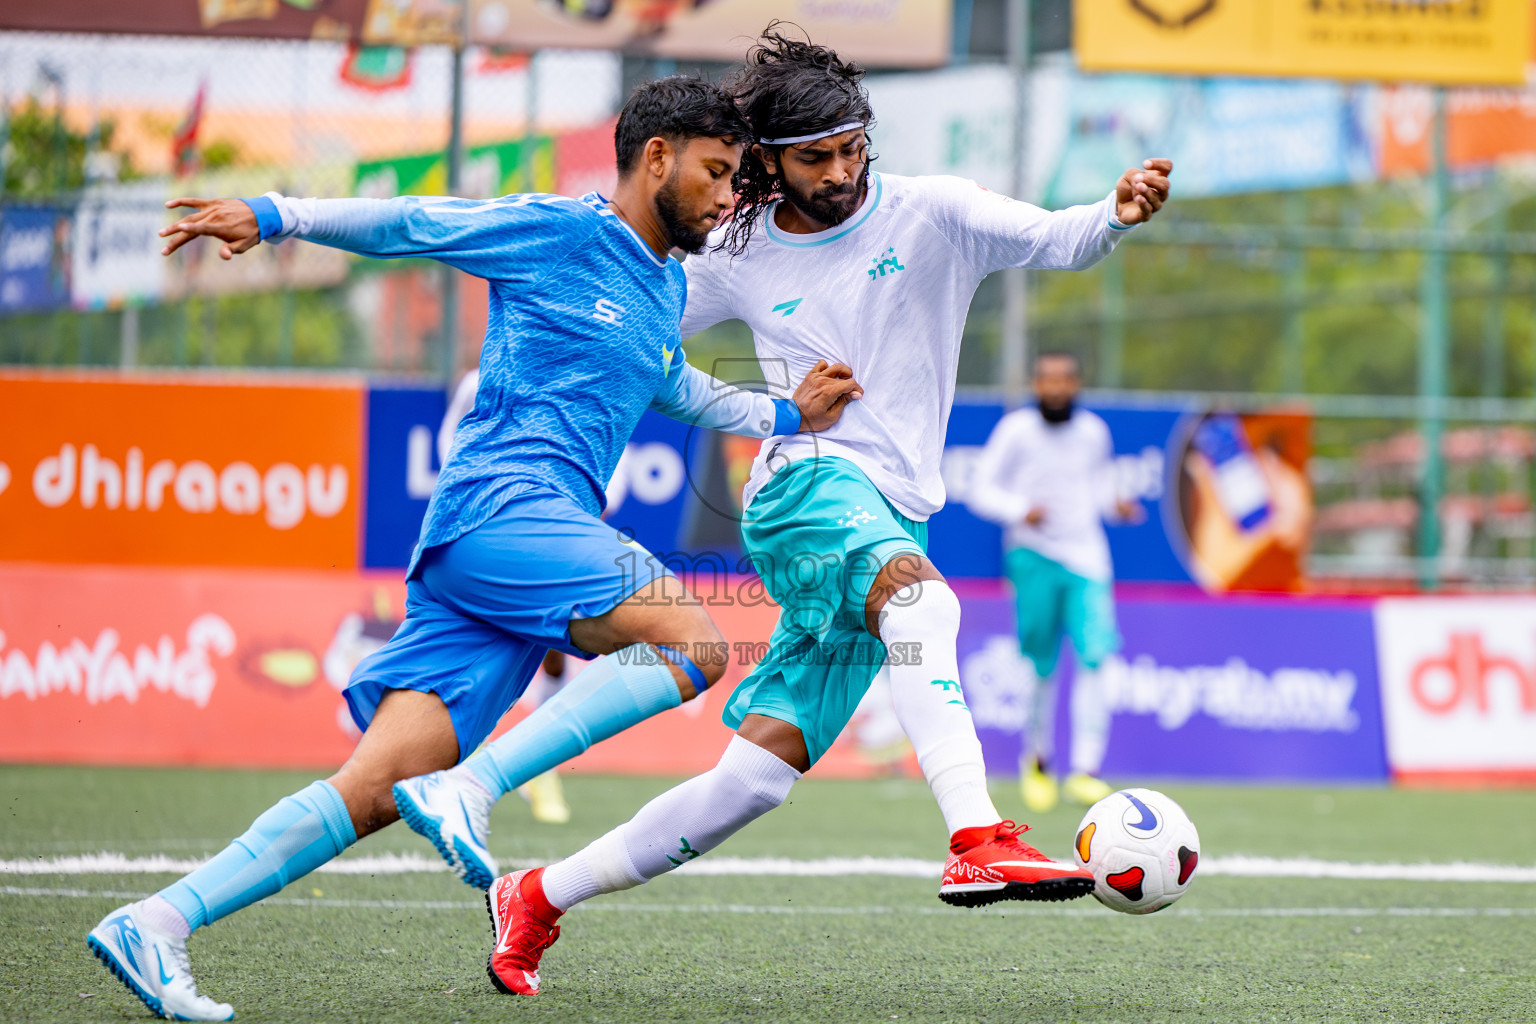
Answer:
x=885 y=263
x=787 y=308
x=856 y=516
x=608 y=312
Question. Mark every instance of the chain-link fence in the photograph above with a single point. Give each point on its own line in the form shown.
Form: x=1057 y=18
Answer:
x=1290 y=271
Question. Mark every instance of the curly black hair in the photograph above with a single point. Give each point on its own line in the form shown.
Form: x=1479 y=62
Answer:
x=788 y=87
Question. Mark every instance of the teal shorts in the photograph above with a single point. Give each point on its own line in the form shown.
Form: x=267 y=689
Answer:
x=1050 y=600
x=818 y=534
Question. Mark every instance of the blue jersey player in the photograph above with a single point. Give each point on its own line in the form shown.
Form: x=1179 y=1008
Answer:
x=513 y=560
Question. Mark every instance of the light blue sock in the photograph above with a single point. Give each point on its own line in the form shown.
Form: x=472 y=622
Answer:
x=295 y=836
x=617 y=691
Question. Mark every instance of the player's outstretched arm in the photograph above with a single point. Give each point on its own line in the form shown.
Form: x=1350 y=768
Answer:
x=515 y=238
x=694 y=397
x=992 y=232
x=230 y=220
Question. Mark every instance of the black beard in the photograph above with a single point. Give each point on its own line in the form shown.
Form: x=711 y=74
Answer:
x=1055 y=414
x=822 y=206
x=668 y=208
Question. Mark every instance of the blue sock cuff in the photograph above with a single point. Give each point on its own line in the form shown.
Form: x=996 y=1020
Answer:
x=333 y=809
x=693 y=672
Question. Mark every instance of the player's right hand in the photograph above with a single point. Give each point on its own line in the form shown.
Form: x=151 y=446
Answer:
x=229 y=220
x=824 y=393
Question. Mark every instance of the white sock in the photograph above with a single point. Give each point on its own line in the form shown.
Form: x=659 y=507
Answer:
x=925 y=619
x=1090 y=721
x=677 y=826
x=159 y=913
x=1040 y=698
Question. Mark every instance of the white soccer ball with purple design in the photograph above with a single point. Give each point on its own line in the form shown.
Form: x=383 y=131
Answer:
x=1142 y=849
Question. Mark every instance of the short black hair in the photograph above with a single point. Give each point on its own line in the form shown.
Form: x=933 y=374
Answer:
x=677 y=108
x=1059 y=353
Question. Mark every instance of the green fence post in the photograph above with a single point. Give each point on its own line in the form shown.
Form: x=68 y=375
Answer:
x=1434 y=344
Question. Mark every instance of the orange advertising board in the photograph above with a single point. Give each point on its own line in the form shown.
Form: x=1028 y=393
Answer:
x=180 y=470
x=244 y=668
x=1481 y=126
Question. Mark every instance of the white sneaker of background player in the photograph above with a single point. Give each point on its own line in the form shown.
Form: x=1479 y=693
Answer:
x=153 y=965
x=453 y=811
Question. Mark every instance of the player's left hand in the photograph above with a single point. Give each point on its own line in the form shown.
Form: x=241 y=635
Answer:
x=228 y=220
x=824 y=393
x=1142 y=191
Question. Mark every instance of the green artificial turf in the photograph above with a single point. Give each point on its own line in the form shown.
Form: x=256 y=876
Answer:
x=412 y=947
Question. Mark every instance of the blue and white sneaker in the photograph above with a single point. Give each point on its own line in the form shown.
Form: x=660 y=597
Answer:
x=153 y=965
x=454 y=813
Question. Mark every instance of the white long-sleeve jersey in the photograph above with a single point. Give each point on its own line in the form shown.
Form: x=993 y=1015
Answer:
x=1064 y=469
x=885 y=292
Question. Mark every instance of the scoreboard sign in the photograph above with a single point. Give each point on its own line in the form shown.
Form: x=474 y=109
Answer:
x=1447 y=42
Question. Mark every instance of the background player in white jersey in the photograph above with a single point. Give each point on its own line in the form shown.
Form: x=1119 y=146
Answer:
x=1046 y=476
x=824 y=256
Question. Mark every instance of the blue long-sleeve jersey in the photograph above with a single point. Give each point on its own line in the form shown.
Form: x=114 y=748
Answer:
x=582 y=338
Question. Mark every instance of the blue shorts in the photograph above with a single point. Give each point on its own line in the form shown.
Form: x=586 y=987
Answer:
x=481 y=610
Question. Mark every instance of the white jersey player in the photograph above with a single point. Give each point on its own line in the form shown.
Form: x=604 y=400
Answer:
x=879 y=270
x=1046 y=476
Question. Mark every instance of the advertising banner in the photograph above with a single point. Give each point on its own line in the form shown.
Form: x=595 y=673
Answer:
x=1482 y=126
x=197 y=269
x=492 y=169
x=403 y=22
x=34 y=258
x=179 y=470
x=1458 y=678
x=652 y=494
x=1224 y=136
x=1450 y=42
x=1242 y=688
x=956 y=121
x=115 y=254
x=900 y=33
x=677 y=490
x=245 y=667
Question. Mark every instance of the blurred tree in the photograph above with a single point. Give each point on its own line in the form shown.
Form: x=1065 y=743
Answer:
x=43 y=158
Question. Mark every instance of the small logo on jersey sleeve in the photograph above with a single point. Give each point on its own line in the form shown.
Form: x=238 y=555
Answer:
x=787 y=308
x=885 y=263
x=608 y=312
x=666 y=360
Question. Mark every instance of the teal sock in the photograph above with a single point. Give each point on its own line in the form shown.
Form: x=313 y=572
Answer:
x=297 y=835
x=616 y=692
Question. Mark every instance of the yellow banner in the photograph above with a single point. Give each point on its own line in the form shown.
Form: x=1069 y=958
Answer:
x=1449 y=42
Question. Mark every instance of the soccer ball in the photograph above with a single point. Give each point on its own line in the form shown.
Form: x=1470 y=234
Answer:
x=1142 y=849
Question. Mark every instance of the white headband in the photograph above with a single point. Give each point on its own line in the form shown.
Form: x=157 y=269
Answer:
x=850 y=126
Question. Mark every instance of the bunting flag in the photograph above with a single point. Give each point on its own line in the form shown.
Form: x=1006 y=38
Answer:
x=184 y=143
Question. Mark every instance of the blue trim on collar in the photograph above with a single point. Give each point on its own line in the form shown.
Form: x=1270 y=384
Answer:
x=268 y=221
x=768 y=222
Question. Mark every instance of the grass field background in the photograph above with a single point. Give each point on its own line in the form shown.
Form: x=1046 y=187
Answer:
x=411 y=947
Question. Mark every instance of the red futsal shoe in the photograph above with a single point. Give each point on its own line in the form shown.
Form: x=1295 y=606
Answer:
x=522 y=921
x=992 y=863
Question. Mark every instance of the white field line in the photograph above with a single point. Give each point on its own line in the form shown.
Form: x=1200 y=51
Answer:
x=622 y=907
x=897 y=867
